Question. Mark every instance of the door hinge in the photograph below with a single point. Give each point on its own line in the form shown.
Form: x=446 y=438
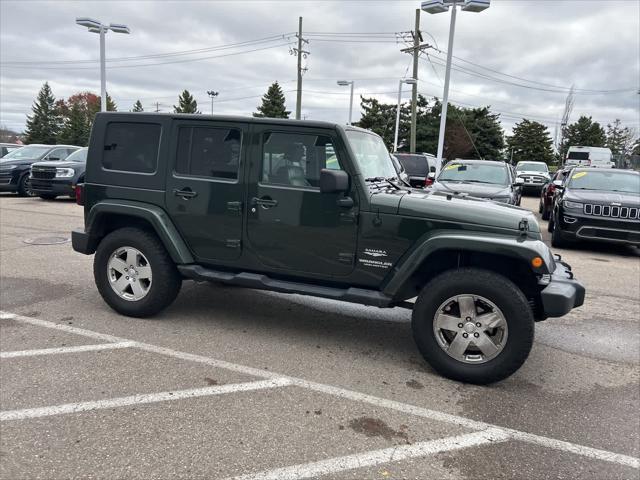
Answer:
x=346 y=258
x=233 y=243
x=234 y=206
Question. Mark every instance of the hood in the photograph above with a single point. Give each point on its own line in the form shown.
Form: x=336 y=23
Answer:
x=604 y=198
x=22 y=161
x=481 y=190
x=532 y=172
x=445 y=207
x=60 y=164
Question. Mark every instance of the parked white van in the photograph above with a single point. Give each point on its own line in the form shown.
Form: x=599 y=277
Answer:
x=589 y=157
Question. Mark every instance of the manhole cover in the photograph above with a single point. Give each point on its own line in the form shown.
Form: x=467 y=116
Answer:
x=47 y=240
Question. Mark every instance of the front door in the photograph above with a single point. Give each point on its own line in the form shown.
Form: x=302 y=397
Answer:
x=204 y=188
x=291 y=225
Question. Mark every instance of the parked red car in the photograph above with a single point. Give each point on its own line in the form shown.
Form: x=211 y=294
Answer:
x=548 y=191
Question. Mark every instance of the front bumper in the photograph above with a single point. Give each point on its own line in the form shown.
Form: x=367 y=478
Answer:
x=52 y=186
x=576 y=226
x=562 y=293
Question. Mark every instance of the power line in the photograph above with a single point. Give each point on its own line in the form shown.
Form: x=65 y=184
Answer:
x=187 y=60
x=268 y=39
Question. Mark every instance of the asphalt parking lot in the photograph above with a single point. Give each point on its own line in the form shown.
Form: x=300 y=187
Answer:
x=236 y=383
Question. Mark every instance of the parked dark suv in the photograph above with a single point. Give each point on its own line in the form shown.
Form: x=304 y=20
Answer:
x=59 y=178
x=313 y=208
x=596 y=204
x=15 y=166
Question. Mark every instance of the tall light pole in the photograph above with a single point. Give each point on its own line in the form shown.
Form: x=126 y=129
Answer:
x=213 y=95
x=408 y=81
x=94 y=26
x=344 y=83
x=440 y=6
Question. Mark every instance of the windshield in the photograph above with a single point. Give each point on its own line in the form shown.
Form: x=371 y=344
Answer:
x=532 y=167
x=605 y=180
x=371 y=155
x=78 y=156
x=474 y=173
x=28 y=152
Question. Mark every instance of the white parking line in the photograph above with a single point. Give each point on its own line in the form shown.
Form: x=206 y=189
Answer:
x=141 y=399
x=378 y=457
x=58 y=350
x=547 y=442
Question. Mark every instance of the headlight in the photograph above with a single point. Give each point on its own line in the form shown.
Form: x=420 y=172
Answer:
x=8 y=167
x=501 y=199
x=574 y=205
x=65 y=172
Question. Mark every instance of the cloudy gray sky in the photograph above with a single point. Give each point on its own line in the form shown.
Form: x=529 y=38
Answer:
x=519 y=56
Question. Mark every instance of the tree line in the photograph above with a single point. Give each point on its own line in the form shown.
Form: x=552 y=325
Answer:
x=470 y=132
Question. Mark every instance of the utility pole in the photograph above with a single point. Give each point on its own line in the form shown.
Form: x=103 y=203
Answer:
x=415 y=51
x=414 y=90
x=300 y=54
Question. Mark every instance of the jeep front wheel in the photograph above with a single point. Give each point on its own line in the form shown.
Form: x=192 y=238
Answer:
x=473 y=325
x=134 y=273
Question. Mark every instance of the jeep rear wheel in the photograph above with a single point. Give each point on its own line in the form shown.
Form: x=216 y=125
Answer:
x=473 y=325
x=134 y=273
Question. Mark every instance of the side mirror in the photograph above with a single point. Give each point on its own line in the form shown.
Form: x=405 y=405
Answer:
x=333 y=181
x=432 y=169
x=558 y=184
x=519 y=182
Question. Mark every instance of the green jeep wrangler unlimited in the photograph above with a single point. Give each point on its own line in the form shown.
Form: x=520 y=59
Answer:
x=313 y=208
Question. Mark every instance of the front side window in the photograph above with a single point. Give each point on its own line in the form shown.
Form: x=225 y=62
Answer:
x=209 y=152
x=296 y=159
x=131 y=147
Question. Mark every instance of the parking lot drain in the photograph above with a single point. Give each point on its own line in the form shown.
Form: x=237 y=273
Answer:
x=47 y=240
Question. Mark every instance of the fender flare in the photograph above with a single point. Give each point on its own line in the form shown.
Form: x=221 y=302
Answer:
x=520 y=248
x=153 y=214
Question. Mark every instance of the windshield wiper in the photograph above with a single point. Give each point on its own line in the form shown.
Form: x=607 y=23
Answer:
x=382 y=179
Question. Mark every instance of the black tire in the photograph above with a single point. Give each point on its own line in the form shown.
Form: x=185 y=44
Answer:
x=545 y=213
x=47 y=197
x=540 y=206
x=499 y=290
x=166 y=278
x=24 y=186
x=557 y=240
x=551 y=224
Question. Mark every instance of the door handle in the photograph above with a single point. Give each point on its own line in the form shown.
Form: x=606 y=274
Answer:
x=264 y=202
x=185 y=193
x=345 y=202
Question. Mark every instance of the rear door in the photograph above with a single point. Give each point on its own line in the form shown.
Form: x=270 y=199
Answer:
x=204 y=186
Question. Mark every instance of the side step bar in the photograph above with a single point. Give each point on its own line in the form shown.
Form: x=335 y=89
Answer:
x=263 y=282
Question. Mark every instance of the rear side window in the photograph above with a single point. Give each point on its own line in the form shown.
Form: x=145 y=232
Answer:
x=209 y=152
x=131 y=147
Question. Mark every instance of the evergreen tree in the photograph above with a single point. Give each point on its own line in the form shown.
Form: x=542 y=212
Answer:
x=380 y=118
x=619 y=139
x=530 y=141
x=273 y=104
x=585 y=132
x=43 y=124
x=76 y=128
x=137 y=107
x=186 y=103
